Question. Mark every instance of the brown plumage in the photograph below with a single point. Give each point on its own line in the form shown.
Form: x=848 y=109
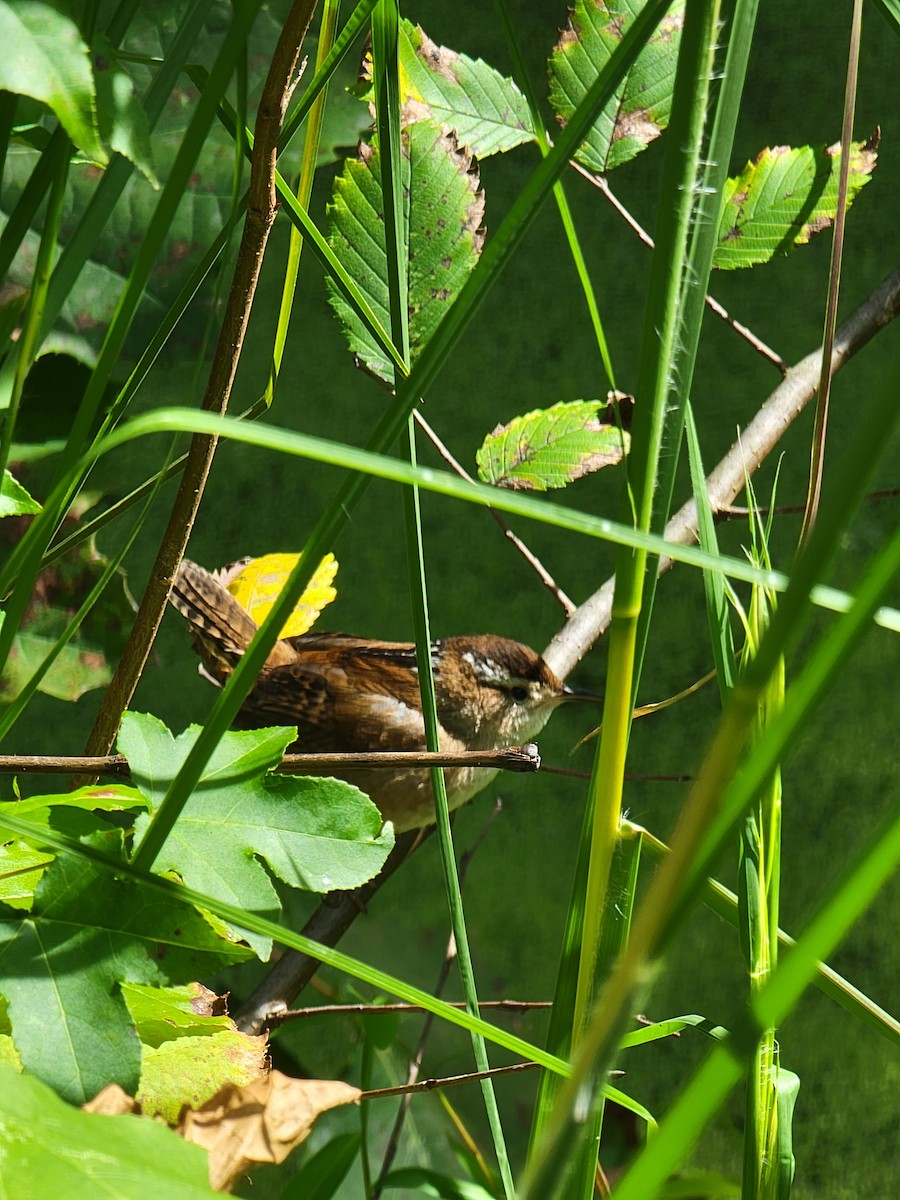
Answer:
x=351 y=694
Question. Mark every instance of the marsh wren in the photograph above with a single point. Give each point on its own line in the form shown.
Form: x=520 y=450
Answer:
x=352 y=694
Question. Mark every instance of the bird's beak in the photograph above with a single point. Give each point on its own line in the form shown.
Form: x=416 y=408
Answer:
x=570 y=693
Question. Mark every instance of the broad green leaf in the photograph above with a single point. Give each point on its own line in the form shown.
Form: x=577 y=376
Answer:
x=45 y=58
x=14 y=500
x=188 y=1054
x=443 y=212
x=323 y=1172
x=79 y=668
x=783 y=198
x=483 y=109
x=259 y=581
x=21 y=867
x=73 y=813
x=639 y=110
x=425 y=1182
x=317 y=834
x=123 y=122
x=49 y=1148
x=549 y=448
x=60 y=967
x=163 y=1013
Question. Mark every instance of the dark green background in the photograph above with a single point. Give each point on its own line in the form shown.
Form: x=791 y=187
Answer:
x=529 y=347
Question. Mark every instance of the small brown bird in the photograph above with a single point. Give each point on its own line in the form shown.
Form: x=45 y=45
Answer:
x=351 y=694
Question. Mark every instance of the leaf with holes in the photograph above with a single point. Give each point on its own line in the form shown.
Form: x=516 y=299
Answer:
x=639 y=109
x=443 y=209
x=551 y=447
x=783 y=198
x=316 y=834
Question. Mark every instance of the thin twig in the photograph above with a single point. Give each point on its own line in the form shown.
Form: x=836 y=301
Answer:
x=261 y=209
x=512 y=758
x=533 y=561
x=430 y=1085
x=728 y=512
x=377 y=1010
x=599 y=182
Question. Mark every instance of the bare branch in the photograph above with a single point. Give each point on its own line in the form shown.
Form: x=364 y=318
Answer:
x=746 y=455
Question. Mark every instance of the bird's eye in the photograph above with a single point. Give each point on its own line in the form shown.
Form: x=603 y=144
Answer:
x=519 y=693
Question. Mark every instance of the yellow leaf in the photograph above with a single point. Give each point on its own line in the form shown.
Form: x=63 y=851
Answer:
x=259 y=583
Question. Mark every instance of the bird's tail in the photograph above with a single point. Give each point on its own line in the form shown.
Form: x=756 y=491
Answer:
x=222 y=629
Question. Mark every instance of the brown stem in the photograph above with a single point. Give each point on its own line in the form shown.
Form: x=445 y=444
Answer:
x=512 y=758
x=261 y=209
x=749 y=451
x=378 y=1010
x=429 y=1085
x=748 y=335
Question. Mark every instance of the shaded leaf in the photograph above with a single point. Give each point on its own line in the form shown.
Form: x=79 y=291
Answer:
x=244 y=1127
x=484 y=111
x=323 y=1172
x=258 y=583
x=317 y=834
x=78 y=668
x=639 y=109
x=434 y=1183
x=123 y=123
x=59 y=1150
x=783 y=198
x=549 y=448
x=52 y=64
x=14 y=500
x=443 y=209
x=61 y=964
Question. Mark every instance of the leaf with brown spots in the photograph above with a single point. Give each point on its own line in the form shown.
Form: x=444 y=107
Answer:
x=639 y=109
x=783 y=198
x=443 y=210
x=551 y=447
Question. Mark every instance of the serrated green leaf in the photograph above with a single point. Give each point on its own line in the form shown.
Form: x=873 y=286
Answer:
x=46 y=59
x=443 y=212
x=60 y=967
x=122 y=120
x=549 y=448
x=639 y=110
x=316 y=834
x=47 y=1145
x=783 y=198
x=483 y=109
x=14 y=500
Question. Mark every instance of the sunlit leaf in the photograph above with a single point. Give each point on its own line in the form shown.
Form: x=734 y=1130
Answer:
x=443 y=209
x=123 y=122
x=316 y=834
x=639 y=109
x=75 y=1154
x=483 y=109
x=783 y=198
x=258 y=584
x=14 y=500
x=549 y=448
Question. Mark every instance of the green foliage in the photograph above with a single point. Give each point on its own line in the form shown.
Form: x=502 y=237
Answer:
x=443 y=210
x=62 y=962
x=317 y=834
x=551 y=447
x=14 y=500
x=483 y=109
x=640 y=108
x=785 y=197
x=78 y=1154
